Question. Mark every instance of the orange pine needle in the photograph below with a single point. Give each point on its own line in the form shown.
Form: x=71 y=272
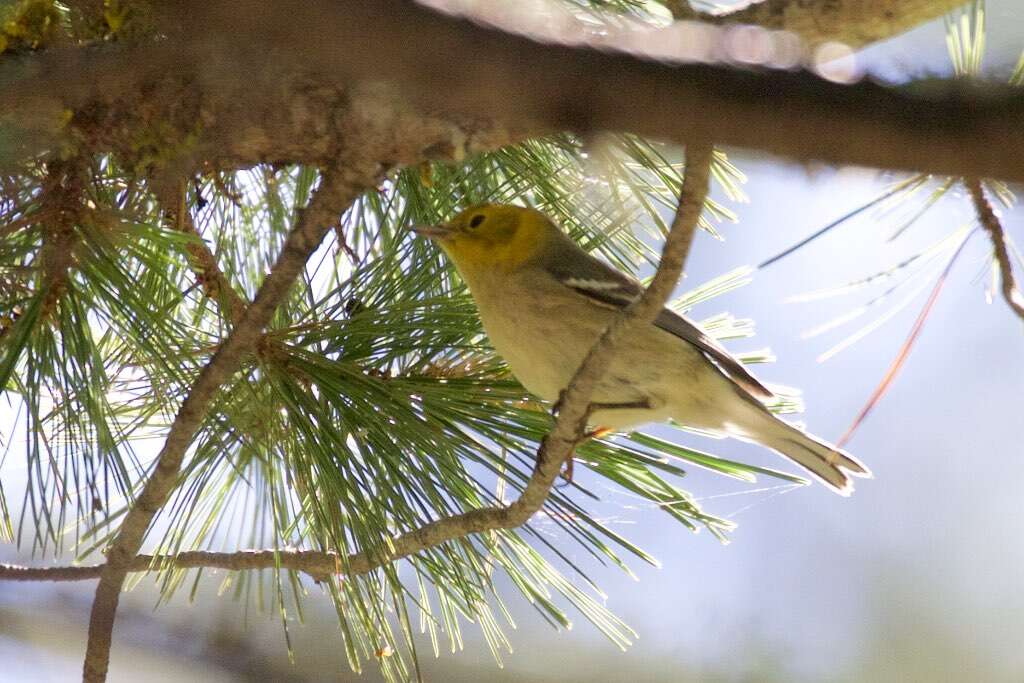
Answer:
x=904 y=352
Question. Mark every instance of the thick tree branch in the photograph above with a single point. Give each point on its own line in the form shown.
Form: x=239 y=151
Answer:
x=854 y=22
x=990 y=221
x=299 y=104
x=338 y=188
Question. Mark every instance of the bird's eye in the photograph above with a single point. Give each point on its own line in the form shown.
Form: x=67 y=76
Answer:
x=476 y=220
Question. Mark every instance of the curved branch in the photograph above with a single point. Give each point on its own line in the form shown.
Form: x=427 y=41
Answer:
x=574 y=404
x=990 y=221
x=337 y=190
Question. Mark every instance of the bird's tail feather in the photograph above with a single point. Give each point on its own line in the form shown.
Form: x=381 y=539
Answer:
x=831 y=465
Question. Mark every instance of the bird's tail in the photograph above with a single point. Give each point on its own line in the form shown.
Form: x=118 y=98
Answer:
x=826 y=462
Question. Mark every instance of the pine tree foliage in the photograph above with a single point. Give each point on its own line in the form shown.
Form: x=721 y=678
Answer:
x=373 y=407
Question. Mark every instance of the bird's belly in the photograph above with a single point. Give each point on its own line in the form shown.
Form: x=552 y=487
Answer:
x=542 y=356
x=544 y=351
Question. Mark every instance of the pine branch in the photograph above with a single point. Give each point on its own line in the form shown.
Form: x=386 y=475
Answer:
x=573 y=411
x=855 y=23
x=62 y=201
x=337 y=190
x=554 y=450
x=318 y=565
x=201 y=259
x=303 y=104
x=573 y=407
x=990 y=221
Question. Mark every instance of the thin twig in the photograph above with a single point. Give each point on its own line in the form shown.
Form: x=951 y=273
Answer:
x=337 y=190
x=172 y=198
x=573 y=408
x=318 y=565
x=990 y=221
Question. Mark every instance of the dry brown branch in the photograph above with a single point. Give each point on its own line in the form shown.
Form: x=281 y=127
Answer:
x=854 y=22
x=300 y=104
x=318 y=565
x=338 y=188
x=990 y=221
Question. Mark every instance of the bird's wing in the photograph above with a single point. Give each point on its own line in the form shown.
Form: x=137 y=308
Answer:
x=606 y=286
x=670 y=321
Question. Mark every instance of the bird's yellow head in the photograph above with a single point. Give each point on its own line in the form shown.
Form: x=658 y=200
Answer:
x=492 y=236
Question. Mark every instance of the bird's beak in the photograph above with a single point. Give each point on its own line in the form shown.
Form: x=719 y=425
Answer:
x=434 y=232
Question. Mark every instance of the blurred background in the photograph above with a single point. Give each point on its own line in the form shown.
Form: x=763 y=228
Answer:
x=914 y=578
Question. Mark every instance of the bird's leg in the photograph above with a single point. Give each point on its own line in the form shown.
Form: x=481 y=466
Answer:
x=587 y=436
x=599 y=432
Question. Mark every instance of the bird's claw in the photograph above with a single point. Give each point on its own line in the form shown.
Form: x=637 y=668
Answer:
x=566 y=474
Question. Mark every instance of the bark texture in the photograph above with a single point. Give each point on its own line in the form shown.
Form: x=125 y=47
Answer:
x=224 y=96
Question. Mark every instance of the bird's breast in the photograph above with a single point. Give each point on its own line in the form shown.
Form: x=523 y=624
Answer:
x=542 y=339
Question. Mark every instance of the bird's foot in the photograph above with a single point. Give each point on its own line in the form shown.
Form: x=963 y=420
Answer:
x=567 y=472
x=598 y=433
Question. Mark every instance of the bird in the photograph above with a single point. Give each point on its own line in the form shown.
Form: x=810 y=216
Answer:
x=543 y=301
